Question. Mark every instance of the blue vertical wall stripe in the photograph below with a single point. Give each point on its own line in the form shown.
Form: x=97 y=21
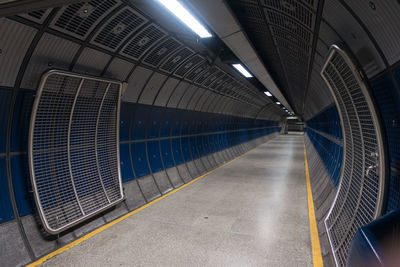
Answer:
x=388 y=103
x=5 y=99
x=331 y=153
x=20 y=126
x=22 y=185
x=139 y=159
x=126 y=168
x=6 y=212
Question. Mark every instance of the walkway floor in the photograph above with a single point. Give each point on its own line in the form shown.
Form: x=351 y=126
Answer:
x=252 y=212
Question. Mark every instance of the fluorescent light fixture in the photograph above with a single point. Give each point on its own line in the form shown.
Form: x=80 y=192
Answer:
x=184 y=15
x=242 y=70
x=267 y=93
x=278 y=103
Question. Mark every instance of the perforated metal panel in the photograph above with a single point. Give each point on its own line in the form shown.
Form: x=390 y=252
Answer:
x=161 y=51
x=37 y=16
x=74 y=148
x=118 y=29
x=196 y=72
x=294 y=9
x=359 y=197
x=143 y=41
x=188 y=65
x=171 y=63
x=79 y=19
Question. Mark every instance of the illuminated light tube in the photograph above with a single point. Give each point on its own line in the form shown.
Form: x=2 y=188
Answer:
x=267 y=93
x=184 y=15
x=242 y=70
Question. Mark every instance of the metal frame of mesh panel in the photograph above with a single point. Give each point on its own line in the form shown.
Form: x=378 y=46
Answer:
x=74 y=148
x=359 y=198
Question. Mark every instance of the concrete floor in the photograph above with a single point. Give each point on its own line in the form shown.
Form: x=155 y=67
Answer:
x=252 y=212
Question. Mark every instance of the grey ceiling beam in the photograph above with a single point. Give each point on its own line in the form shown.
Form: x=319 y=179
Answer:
x=221 y=20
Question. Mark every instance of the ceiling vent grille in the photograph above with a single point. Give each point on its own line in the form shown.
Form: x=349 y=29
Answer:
x=195 y=72
x=118 y=29
x=37 y=16
x=78 y=20
x=215 y=74
x=161 y=51
x=175 y=60
x=293 y=9
x=289 y=24
x=143 y=41
x=189 y=65
x=360 y=193
x=290 y=38
x=74 y=148
x=205 y=74
x=219 y=81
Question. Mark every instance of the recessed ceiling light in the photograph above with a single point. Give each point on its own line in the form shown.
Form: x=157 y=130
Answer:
x=278 y=103
x=184 y=15
x=267 y=93
x=242 y=70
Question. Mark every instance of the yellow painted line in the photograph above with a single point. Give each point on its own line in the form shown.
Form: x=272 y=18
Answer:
x=104 y=227
x=315 y=245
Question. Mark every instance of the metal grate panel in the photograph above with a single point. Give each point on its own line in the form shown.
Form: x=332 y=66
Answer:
x=359 y=197
x=143 y=41
x=219 y=81
x=118 y=29
x=37 y=16
x=74 y=148
x=205 y=74
x=188 y=65
x=161 y=51
x=294 y=9
x=195 y=72
x=171 y=63
x=215 y=74
x=81 y=18
x=291 y=38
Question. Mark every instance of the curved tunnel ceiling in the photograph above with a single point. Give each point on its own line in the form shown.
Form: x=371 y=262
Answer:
x=106 y=43
x=292 y=39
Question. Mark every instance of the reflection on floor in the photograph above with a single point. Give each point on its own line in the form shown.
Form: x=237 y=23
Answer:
x=252 y=212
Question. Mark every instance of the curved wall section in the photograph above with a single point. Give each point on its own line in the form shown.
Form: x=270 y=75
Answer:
x=160 y=149
x=324 y=145
x=182 y=114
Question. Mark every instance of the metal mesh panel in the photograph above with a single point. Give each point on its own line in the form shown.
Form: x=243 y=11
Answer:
x=143 y=41
x=359 y=198
x=73 y=148
x=215 y=75
x=37 y=16
x=175 y=60
x=294 y=9
x=188 y=65
x=289 y=24
x=159 y=53
x=118 y=29
x=79 y=19
x=192 y=75
x=205 y=74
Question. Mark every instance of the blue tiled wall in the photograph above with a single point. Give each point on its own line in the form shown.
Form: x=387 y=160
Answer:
x=387 y=100
x=331 y=153
x=152 y=138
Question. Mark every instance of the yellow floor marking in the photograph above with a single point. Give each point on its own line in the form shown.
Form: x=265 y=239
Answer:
x=104 y=227
x=315 y=245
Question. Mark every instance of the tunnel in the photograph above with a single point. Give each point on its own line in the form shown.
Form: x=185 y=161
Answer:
x=199 y=133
